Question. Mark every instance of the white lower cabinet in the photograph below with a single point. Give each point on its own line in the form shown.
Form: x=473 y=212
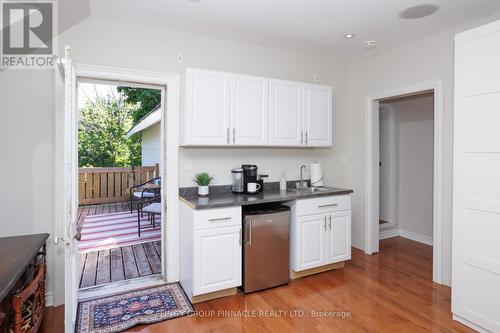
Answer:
x=311 y=245
x=320 y=232
x=217 y=259
x=210 y=257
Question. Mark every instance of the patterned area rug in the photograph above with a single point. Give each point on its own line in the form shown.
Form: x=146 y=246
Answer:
x=112 y=230
x=145 y=306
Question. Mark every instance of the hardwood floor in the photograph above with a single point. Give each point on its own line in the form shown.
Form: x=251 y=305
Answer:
x=120 y=264
x=388 y=292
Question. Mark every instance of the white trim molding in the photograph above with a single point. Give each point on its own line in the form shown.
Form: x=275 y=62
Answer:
x=416 y=236
x=395 y=232
x=371 y=171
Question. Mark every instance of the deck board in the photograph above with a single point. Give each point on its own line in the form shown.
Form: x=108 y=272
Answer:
x=118 y=264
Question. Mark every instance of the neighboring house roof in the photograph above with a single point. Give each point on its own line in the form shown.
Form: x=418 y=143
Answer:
x=147 y=121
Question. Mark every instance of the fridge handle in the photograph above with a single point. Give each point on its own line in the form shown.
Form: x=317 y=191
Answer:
x=248 y=228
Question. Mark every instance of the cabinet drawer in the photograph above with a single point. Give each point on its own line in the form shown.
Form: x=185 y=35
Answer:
x=217 y=218
x=323 y=205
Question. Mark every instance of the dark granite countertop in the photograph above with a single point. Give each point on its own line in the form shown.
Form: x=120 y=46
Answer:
x=229 y=199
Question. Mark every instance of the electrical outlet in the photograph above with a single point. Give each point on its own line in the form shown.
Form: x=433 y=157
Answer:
x=180 y=58
x=344 y=158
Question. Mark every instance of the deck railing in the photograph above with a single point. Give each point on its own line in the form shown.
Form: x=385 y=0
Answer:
x=106 y=185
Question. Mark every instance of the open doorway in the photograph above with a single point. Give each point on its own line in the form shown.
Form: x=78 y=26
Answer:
x=119 y=183
x=406 y=159
x=388 y=197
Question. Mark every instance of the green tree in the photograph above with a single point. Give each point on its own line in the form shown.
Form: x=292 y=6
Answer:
x=102 y=127
x=145 y=99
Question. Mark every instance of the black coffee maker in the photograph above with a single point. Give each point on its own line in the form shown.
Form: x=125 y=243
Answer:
x=250 y=175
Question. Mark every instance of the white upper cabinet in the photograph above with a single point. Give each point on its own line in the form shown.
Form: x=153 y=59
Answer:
x=232 y=109
x=286 y=113
x=207 y=107
x=249 y=114
x=317 y=115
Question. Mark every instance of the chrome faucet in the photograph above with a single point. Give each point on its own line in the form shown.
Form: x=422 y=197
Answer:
x=302 y=184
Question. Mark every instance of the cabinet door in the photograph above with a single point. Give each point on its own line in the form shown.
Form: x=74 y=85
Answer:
x=286 y=113
x=217 y=259
x=207 y=107
x=339 y=237
x=249 y=110
x=318 y=115
x=311 y=242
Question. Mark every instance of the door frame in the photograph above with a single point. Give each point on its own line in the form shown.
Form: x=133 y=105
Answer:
x=170 y=85
x=372 y=169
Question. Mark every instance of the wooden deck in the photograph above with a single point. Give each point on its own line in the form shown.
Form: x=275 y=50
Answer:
x=120 y=263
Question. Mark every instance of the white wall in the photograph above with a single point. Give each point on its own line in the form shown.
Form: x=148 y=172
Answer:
x=415 y=163
x=151 y=145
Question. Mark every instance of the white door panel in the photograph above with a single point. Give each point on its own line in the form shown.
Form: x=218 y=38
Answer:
x=207 y=107
x=339 y=237
x=312 y=241
x=217 y=259
x=71 y=267
x=476 y=178
x=318 y=115
x=286 y=113
x=249 y=110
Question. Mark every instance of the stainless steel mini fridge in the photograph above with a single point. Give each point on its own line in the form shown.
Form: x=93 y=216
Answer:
x=266 y=249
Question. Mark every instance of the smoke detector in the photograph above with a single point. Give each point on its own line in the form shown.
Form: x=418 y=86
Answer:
x=370 y=44
x=418 y=11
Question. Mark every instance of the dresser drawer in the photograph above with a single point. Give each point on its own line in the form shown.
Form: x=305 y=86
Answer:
x=323 y=205
x=217 y=218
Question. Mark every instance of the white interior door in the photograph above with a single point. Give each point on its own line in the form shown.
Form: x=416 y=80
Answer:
x=476 y=179
x=71 y=267
x=249 y=110
x=318 y=115
x=286 y=112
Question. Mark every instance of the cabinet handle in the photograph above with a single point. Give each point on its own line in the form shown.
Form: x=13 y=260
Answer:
x=228 y=139
x=301 y=137
x=240 y=237
x=329 y=205
x=324 y=223
x=306 y=138
x=219 y=219
x=234 y=135
x=330 y=222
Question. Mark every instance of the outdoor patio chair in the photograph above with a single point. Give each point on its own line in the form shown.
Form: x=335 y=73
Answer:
x=149 y=190
x=151 y=208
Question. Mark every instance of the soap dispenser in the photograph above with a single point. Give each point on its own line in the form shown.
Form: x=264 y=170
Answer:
x=282 y=182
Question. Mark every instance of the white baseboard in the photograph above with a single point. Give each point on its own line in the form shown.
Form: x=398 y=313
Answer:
x=395 y=232
x=415 y=236
x=49 y=298
x=470 y=324
x=388 y=233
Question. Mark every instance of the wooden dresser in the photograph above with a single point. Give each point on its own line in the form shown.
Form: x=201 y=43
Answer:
x=22 y=282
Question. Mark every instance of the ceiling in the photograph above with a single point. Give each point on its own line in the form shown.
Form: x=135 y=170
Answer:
x=305 y=25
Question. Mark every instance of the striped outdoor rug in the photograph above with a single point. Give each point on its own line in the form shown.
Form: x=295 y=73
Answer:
x=107 y=231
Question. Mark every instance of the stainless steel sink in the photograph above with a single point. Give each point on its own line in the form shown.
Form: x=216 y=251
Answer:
x=307 y=190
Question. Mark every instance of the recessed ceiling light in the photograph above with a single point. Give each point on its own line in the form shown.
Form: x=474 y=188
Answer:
x=195 y=1
x=419 y=11
x=349 y=35
x=369 y=44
